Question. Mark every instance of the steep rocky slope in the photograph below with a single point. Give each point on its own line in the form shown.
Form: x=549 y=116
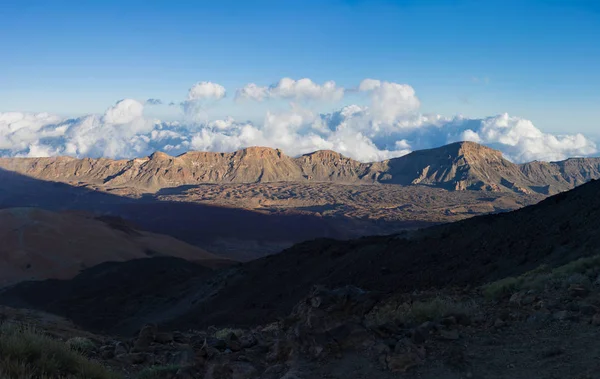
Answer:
x=251 y=165
x=458 y=166
x=559 y=230
x=553 y=177
x=39 y=244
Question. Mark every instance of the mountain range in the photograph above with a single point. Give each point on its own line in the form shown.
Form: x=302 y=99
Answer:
x=458 y=166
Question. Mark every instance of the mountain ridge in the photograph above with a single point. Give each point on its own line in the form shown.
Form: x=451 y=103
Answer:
x=457 y=166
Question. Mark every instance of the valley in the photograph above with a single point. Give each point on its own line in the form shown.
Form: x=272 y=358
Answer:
x=258 y=201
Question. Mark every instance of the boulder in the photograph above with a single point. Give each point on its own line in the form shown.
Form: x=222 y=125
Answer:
x=329 y=321
x=145 y=338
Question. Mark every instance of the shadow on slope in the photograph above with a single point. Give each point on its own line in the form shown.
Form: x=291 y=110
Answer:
x=467 y=253
x=198 y=224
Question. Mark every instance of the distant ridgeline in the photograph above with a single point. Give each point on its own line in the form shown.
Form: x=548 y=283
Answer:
x=458 y=166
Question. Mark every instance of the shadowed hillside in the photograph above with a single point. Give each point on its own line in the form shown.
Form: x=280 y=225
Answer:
x=472 y=252
x=39 y=244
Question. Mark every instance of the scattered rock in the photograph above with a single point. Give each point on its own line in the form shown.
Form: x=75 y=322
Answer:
x=499 y=323
x=561 y=315
x=232 y=370
x=186 y=373
x=211 y=352
x=137 y=358
x=448 y=321
x=274 y=372
x=419 y=336
x=463 y=319
x=248 y=341
x=539 y=317
x=107 y=352
x=242 y=370
x=588 y=309
x=596 y=319
x=234 y=345
x=516 y=298
x=457 y=358
x=382 y=348
x=403 y=362
x=145 y=338
x=280 y=351
x=216 y=343
x=576 y=290
x=184 y=357
x=504 y=314
x=406 y=355
x=578 y=279
x=552 y=352
x=449 y=334
x=329 y=321
x=120 y=349
x=523 y=298
x=180 y=338
x=164 y=338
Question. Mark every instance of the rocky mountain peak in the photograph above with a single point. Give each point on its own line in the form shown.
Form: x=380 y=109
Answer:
x=159 y=155
x=259 y=152
x=457 y=166
x=323 y=155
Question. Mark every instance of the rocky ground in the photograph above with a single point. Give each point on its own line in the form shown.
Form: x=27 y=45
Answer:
x=544 y=324
x=248 y=221
x=383 y=202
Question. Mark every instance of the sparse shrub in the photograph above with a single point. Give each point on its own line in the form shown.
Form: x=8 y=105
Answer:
x=502 y=287
x=28 y=354
x=81 y=344
x=576 y=272
x=158 y=372
x=224 y=334
x=579 y=266
x=418 y=312
x=433 y=309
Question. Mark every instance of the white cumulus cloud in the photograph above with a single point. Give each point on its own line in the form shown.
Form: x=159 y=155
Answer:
x=206 y=90
x=287 y=88
x=390 y=100
x=124 y=112
x=388 y=125
x=201 y=95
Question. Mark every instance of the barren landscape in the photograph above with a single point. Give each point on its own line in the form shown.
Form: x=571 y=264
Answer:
x=453 y=301
x=247 y=204
x=313 y=189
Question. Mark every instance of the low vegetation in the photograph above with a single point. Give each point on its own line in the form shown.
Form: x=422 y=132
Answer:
x=81 y=344
x=402 y=312
x=158 y=372
x=582 y=271
x=224 y=334
x=27 y=354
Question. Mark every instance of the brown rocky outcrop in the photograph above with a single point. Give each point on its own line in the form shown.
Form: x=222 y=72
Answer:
x=458 y=166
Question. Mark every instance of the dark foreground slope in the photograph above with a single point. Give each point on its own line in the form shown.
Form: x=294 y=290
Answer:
x=472 y=252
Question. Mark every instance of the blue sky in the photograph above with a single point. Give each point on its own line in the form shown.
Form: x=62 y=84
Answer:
x=533 y=59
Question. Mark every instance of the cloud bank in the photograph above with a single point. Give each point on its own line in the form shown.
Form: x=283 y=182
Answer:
x=386 y=124
x=286 y=88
